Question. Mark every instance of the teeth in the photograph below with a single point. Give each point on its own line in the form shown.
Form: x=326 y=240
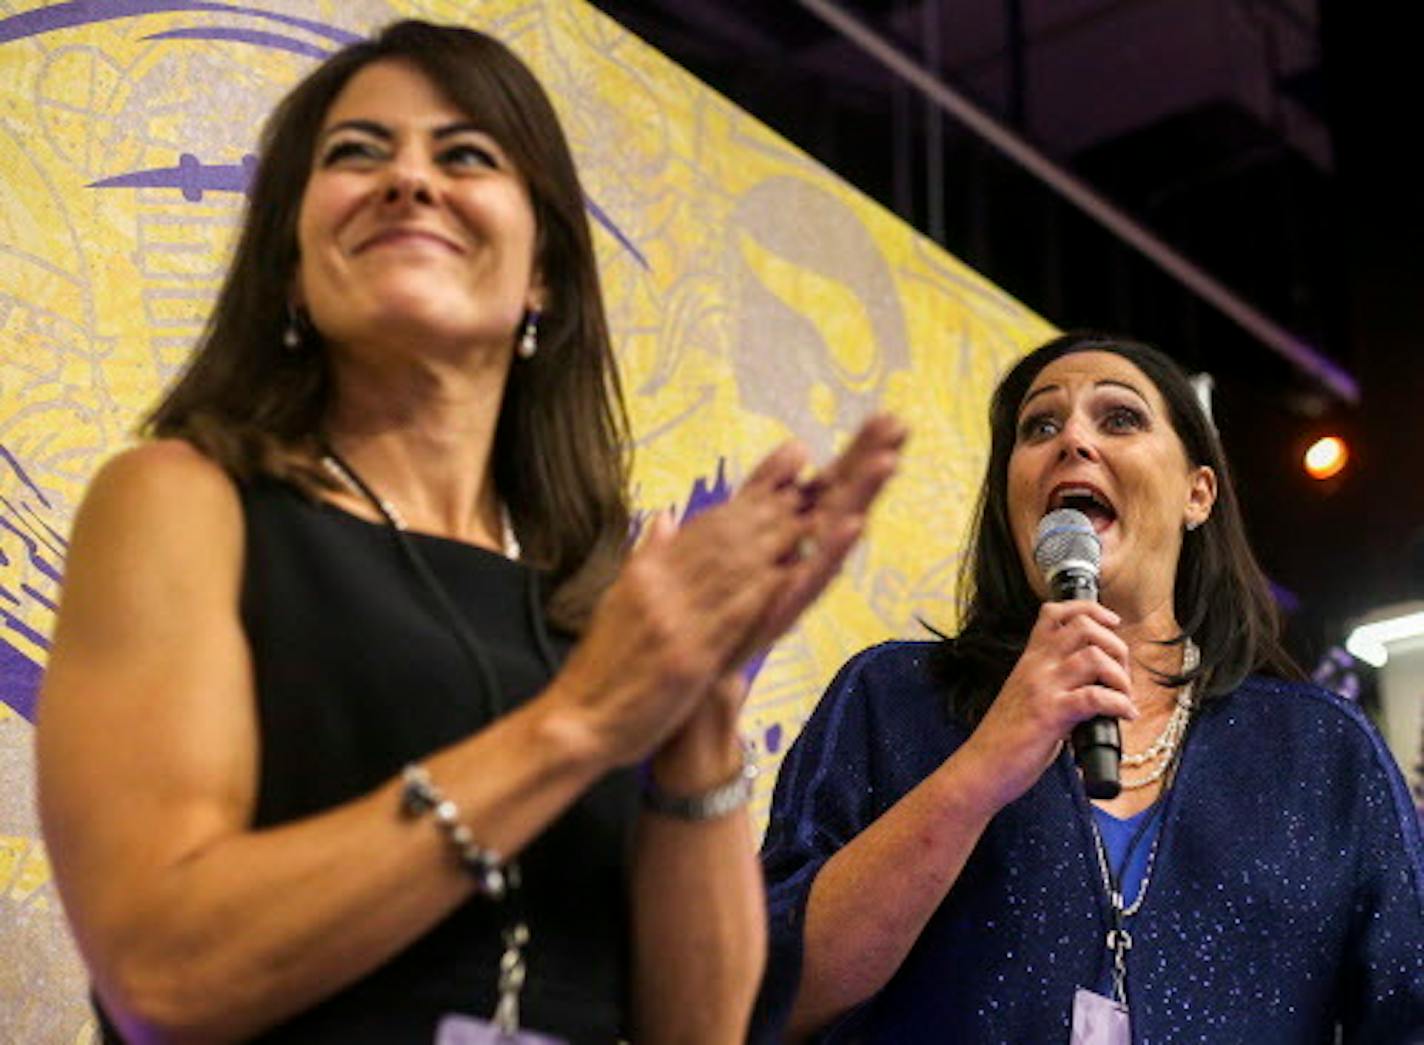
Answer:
x=1070 y=492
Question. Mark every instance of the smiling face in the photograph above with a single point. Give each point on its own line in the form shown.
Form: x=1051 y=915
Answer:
x=1094 y=433
x=415 y=227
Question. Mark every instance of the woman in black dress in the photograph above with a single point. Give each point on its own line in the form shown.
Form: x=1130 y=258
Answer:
x=352 y=667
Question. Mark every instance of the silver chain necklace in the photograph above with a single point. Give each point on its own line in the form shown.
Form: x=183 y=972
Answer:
x=1119 y=940
x=339 y=472
x=1117 y=898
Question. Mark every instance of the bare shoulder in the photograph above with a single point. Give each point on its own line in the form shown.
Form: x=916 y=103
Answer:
x=163 y=474
x=148 y=629
x=161 y=525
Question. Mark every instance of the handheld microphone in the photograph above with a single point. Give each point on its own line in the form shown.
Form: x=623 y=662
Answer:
x=1068 y=552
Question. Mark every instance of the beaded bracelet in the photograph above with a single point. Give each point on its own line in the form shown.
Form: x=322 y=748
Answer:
x=419 y=796
x=706 y=805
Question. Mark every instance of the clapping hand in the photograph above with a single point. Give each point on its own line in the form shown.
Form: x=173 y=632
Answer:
x=692 y=604
x=834 y=505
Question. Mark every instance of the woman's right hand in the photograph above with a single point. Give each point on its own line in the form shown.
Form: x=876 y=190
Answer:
x=686 y=601
x=1073 y=667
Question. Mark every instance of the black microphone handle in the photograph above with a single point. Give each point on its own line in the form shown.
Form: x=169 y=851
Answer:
x=1097 y=743
x=1097 y=746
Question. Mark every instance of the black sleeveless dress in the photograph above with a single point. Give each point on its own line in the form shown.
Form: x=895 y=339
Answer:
x=358 y=673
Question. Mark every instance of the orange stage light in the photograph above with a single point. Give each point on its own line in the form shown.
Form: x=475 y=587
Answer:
x=1326 y=457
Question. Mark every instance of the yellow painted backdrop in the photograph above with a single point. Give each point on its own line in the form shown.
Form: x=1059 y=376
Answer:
x=753 y=297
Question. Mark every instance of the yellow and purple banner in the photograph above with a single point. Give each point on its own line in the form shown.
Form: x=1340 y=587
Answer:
x=754 y=297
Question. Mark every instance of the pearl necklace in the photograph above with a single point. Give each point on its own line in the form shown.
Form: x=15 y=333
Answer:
x=1162 y=750
x=342 y=474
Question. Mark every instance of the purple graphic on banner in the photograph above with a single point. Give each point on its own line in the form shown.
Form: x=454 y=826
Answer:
x=44 y=550
x=13 y=521
x=191 y=176
x=256 y=37
x=18 y=469
x=39 y=596
x=702 y=497
x=773 y=739
x=617 y=233
x=83 y=12
x=19 y=681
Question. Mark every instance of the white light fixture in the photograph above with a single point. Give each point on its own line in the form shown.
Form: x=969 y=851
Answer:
x=1371 y=639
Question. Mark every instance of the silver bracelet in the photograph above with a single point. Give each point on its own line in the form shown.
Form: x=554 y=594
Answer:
x=419 y=796
x=705 y=805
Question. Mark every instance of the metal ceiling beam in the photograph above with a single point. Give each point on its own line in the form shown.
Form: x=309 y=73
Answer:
x=1304 y=356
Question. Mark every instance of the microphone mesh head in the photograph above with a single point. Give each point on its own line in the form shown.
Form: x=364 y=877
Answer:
x=1066 y=535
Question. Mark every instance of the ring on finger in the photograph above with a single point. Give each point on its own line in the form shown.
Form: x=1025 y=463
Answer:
x=806 y=547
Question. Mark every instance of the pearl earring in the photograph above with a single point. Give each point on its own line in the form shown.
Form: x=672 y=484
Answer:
x=292 y=332
x=529 y=337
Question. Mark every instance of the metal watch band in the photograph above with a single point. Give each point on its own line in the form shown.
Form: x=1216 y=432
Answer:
x=705 y=805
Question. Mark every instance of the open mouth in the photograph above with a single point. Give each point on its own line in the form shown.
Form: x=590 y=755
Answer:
x=1086 y=499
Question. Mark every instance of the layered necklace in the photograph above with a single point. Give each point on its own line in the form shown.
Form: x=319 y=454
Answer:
x=1159 y=754
x=342 y=473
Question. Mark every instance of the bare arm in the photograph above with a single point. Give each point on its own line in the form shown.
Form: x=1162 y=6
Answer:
x=193 y=925
x=699 y=918
x=870 y=901
x=197 y=927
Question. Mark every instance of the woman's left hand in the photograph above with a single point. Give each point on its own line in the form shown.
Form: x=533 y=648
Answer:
x=838 y=498
x=707 y=747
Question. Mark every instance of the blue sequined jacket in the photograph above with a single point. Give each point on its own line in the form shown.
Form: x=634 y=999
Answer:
x=1287 y=895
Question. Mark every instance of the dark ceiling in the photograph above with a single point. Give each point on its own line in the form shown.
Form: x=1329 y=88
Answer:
x=1256 y=137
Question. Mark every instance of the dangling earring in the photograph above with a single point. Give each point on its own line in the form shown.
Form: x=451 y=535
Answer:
x=292 y=332
x=529 y=337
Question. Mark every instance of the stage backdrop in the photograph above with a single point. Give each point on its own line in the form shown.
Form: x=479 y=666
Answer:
x=753 y=296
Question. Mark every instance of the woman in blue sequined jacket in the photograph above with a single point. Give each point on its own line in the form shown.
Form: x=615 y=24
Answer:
x=936 y=872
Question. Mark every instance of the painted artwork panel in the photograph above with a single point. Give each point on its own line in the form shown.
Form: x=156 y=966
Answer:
x=754 y=297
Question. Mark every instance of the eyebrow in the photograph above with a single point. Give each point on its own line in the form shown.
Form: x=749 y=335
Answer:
x=1108 y=382
x=381 y=131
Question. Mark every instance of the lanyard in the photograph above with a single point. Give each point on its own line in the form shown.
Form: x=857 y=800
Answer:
x=512 y=964
x=1119 y=940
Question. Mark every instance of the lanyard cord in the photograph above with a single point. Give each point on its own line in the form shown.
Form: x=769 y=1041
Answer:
x=470 y=647
x=516 y=935
x=1113 y=877
x=1119 y=940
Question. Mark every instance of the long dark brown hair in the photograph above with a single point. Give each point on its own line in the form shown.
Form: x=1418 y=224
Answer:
x=559 y=457
x=1222 y=599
